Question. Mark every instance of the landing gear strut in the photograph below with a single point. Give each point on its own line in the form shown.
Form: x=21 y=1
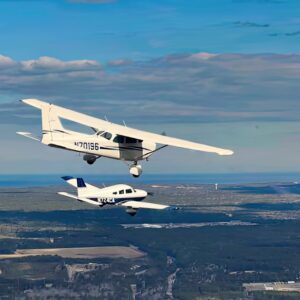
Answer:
x=136 y=170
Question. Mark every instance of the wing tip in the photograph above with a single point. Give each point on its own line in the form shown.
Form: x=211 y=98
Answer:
x=226 y=152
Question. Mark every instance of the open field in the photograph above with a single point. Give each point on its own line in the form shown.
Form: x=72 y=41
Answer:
x=273 y=286
x=217 y=241
x=84 y=252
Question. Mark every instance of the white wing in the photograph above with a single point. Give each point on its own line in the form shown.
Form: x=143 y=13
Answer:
x=125 y=131
x=129 y=204
x=79 y=198
x=138 y=204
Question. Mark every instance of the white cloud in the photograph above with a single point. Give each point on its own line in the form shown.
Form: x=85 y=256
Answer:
x=50 y=63
x=202 y=55
x=199 y=87
x=119 y=62
x=6 y=61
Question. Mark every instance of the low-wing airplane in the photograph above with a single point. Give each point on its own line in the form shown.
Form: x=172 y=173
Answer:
x=120 y=195
x=108 y=140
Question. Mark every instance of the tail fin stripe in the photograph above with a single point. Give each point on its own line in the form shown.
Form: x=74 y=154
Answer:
x=66 y=178
x=80 y=183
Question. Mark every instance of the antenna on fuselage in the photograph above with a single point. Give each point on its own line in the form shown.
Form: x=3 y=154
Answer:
x=124 y=123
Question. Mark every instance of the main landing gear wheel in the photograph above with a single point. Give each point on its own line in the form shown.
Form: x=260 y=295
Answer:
x=131 y=211
x=90 y=159
x=136 y=170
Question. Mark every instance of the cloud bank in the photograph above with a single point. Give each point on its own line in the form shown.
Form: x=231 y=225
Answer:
x=198 y=87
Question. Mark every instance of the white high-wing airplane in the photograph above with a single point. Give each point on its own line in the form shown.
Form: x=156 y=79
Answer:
x=108 y=140
x=120 y=194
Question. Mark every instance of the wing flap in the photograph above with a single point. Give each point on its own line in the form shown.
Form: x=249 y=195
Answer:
x=126 y=131
x=138 y=204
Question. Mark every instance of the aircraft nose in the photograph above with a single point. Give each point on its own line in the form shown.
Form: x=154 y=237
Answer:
x=143 y=193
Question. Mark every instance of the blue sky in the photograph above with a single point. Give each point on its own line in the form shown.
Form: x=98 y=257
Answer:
x=224 y=72
x=145 y=29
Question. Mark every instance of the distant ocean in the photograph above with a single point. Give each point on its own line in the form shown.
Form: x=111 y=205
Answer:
x=28 y=180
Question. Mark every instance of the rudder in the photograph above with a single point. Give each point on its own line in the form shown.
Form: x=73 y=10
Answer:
x=51 y=125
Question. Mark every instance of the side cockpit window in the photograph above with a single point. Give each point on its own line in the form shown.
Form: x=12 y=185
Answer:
x=128 y=191
x=125 y=140
x=105 y=134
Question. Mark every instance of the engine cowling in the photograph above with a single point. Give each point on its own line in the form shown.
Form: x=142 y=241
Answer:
x=136 y=170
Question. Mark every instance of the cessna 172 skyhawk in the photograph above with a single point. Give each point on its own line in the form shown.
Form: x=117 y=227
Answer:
x=120 y=194
x=109 y=139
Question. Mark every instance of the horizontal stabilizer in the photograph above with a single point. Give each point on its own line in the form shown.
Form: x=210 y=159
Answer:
x=36 y=103
x=29 y=135
x=138 y=204
x=80 y=198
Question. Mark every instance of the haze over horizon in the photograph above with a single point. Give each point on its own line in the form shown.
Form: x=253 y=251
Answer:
x=220 y=72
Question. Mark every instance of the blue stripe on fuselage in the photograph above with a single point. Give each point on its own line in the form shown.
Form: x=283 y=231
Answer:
x=118 y=200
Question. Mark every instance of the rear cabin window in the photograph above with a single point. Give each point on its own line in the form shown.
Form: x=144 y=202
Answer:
x=130 y=140
x=119 y=139
x=121 y=192
x=125 y=140
x=128 y=191
x=114 y=193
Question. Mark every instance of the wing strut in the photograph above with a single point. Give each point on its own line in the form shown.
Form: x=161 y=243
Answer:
x=150 y=152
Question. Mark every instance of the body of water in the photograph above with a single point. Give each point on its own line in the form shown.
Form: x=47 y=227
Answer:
x=29 y=180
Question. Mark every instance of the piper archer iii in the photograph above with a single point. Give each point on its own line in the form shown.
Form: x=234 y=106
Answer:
x=120 y=195
x=108 y=140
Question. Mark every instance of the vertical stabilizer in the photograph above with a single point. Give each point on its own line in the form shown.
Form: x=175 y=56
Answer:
x=51 y=126
x=83 y=189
